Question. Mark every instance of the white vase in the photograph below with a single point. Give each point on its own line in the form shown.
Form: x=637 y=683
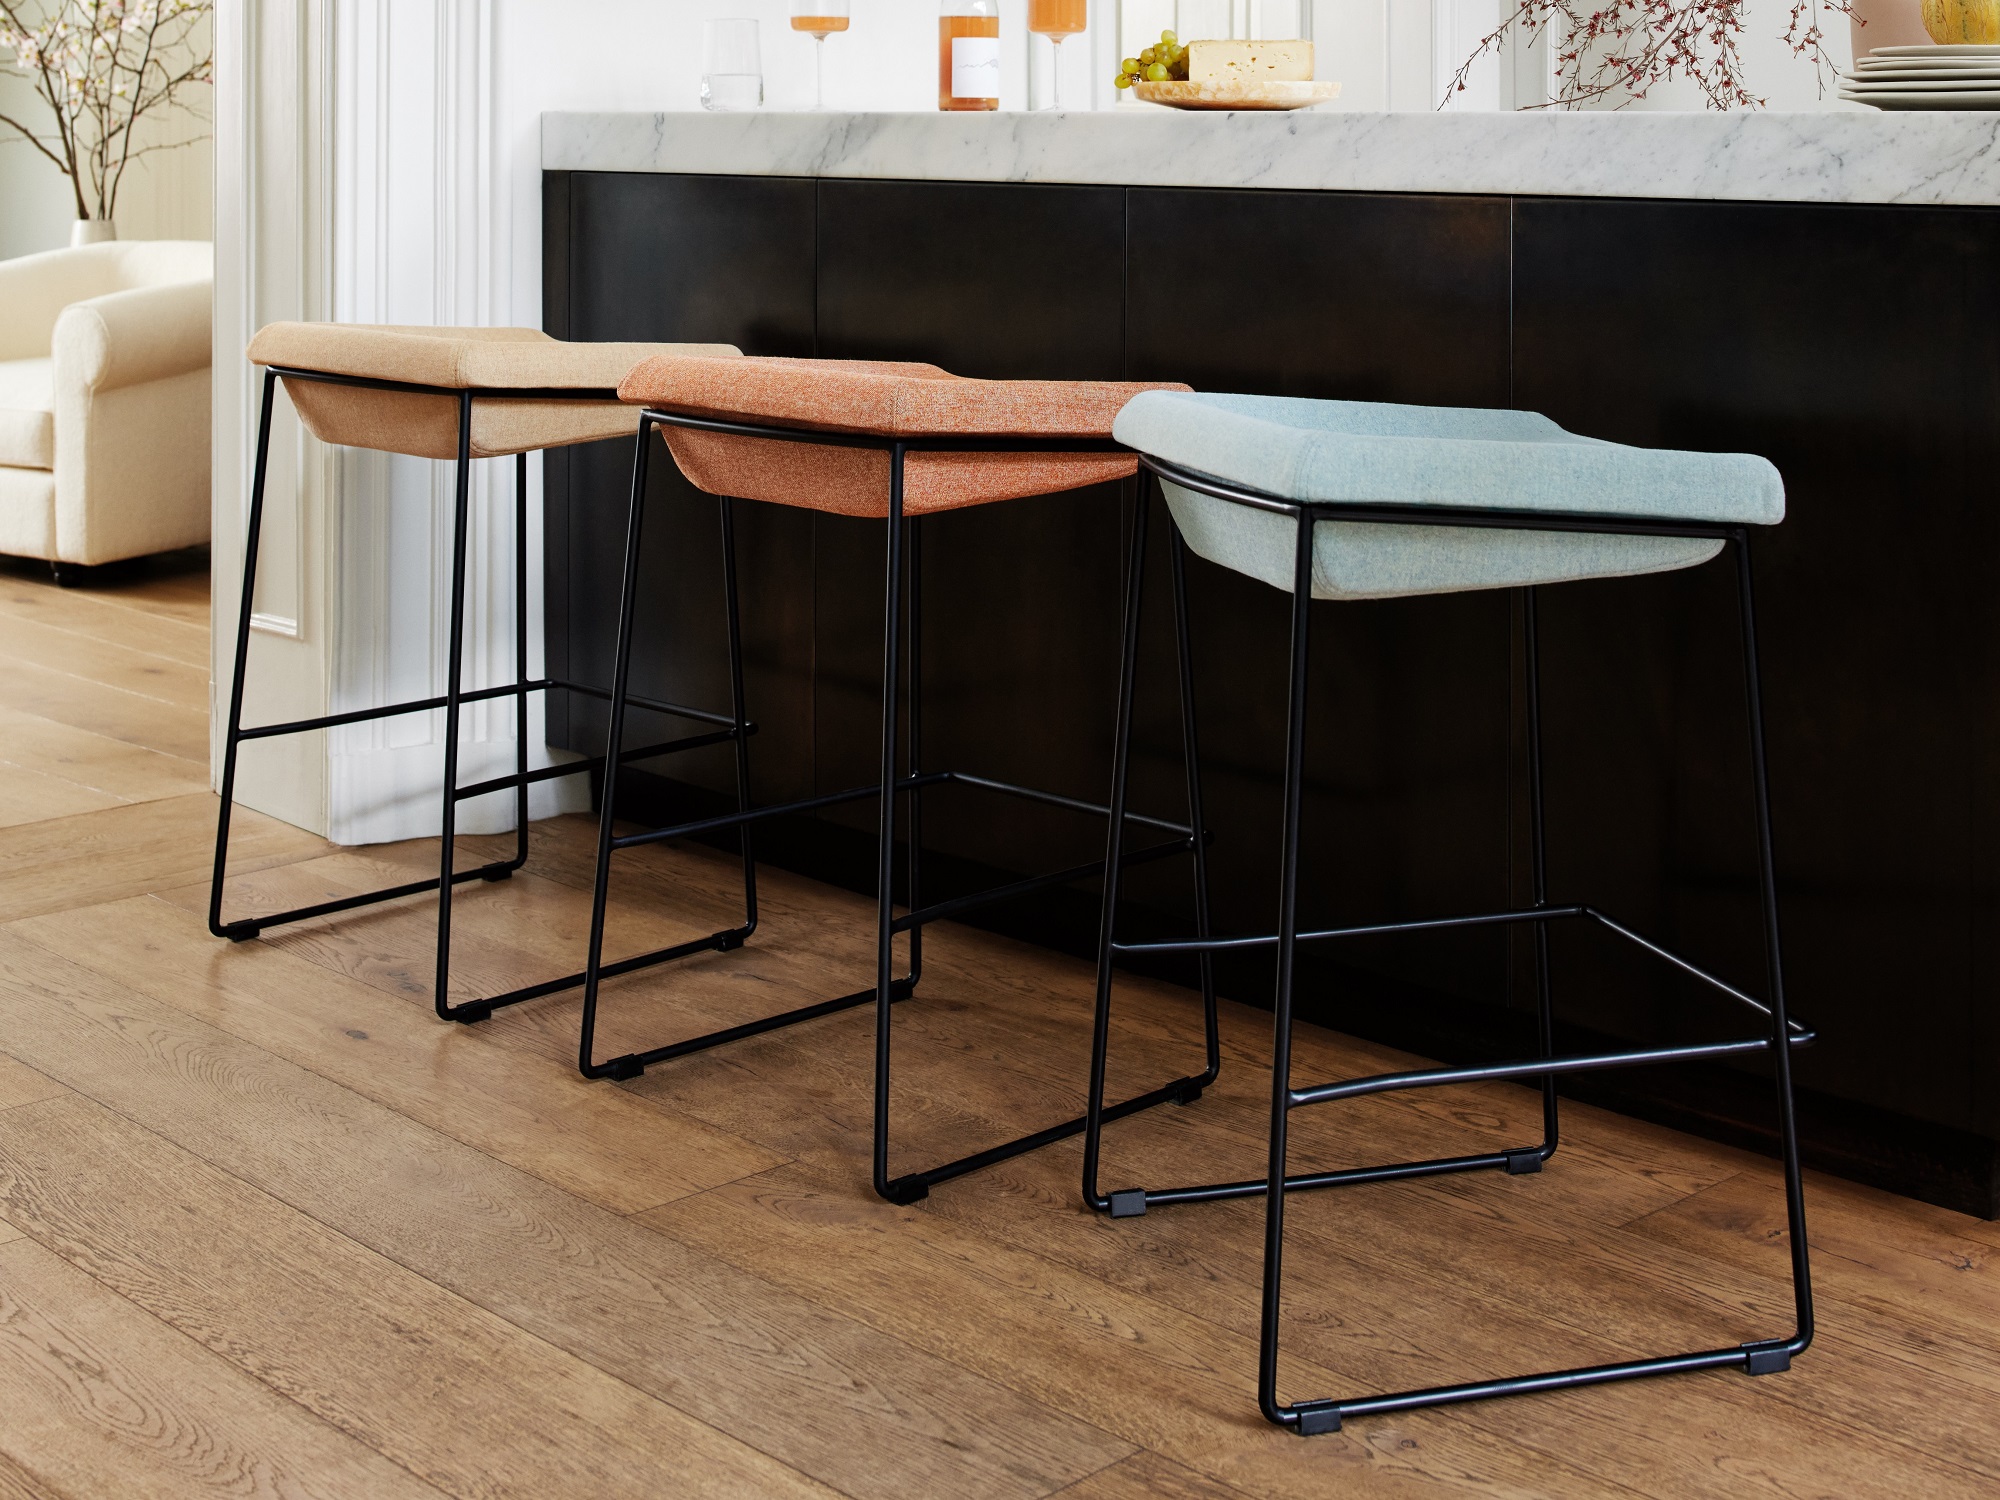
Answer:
x=1886 y=23
x=92 y=232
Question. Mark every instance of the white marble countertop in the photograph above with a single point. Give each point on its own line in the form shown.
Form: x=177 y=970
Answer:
x=1839 y=156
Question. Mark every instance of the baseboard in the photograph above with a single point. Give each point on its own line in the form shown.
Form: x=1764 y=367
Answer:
x=1864 y=1143
x=386 y=794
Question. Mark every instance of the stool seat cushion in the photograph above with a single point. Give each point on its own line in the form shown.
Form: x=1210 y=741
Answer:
x=884 y=399
x=1361 y=452
x=456 y=359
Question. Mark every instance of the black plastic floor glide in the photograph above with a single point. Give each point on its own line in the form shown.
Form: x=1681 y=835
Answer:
x=242 y=932
x=623 y=1069
x=1129 y=1204
x=1315 y=1420
x=1520 y=1163
x=1767 y=1359
x=907 y=1190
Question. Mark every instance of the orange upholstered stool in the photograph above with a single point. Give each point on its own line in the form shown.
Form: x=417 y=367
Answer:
x=891 y=443
x=885 y=402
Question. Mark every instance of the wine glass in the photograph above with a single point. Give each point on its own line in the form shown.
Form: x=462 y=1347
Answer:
x=1057 y=19
x=822 y=18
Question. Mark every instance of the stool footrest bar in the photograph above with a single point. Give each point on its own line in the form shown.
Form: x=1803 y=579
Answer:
x=525 y=778
x=634 y=1063
x=1802 y=1033
x=857 y=794
x=595 y=763
x=1056 y=799
x=737 y=820
x=1131 y=1202
x=479 y=1010
x=653 y=705
x=914 y=1186
x=474 y=695
x=1382 y=1083
x=943 y=909
x=1694 y=970
x=1373 y=929
x=390 y=711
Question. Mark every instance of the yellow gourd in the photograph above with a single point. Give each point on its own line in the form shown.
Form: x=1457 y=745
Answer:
x=1952 y=22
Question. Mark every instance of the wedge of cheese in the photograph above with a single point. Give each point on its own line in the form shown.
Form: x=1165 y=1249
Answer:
x=1250 y=62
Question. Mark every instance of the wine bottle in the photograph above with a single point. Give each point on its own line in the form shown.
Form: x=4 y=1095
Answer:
x=969 y=54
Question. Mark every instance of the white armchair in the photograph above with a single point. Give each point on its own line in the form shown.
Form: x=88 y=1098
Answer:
x=104 y=401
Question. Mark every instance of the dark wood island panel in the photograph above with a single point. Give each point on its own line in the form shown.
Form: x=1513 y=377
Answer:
x=1857 y=347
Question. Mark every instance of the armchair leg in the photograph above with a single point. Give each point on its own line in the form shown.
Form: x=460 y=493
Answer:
x=72 y=575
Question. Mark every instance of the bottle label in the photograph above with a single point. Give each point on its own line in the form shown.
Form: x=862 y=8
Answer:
x=975 y=67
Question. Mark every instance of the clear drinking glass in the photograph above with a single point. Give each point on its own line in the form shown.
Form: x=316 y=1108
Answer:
x=820 y=18
x=1056 y=20
x=732 y=74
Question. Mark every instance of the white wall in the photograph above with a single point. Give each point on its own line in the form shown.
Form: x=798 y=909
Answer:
x=1402 y=54
x=168 y=195
x=36 y=207
x=1395 y=54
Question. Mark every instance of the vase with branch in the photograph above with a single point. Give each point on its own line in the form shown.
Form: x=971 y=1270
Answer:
x=102 y=67
x=1614 y=52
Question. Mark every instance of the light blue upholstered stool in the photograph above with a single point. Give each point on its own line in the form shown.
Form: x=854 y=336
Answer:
x=1359 y=500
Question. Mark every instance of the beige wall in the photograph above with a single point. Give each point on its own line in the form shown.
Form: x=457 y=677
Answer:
x=169 y=195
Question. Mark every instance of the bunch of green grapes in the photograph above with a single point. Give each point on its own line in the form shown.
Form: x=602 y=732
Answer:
x=1165 y=59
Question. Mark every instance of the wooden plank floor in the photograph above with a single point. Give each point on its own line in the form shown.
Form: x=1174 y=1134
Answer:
x=269 y=1229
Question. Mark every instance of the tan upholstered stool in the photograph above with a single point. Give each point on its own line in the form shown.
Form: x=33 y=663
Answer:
x=456 y=394
x=890 y=444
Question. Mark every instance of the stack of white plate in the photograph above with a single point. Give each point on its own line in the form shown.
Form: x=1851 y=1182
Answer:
x=1958 y=77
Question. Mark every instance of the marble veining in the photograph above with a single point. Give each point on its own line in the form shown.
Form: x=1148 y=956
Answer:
x=1839 y=156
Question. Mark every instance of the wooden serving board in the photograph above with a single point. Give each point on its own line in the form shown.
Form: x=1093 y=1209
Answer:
x=1183 y=95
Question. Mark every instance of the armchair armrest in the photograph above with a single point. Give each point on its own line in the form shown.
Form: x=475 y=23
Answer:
x=34 y=289
x=128 y=338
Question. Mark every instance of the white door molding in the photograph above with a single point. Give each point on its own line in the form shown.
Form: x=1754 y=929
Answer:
x=271 y=141
x=357 y=181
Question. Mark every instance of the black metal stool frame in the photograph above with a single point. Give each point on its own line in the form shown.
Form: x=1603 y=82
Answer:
x=888 y=988
x=736 y=729
x=1326 y=1415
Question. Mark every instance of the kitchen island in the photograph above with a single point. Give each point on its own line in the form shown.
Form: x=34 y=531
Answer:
x=1818 y=289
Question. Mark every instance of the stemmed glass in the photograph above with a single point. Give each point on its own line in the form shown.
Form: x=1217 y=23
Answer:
x=1057 y=19
x=822 y=18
